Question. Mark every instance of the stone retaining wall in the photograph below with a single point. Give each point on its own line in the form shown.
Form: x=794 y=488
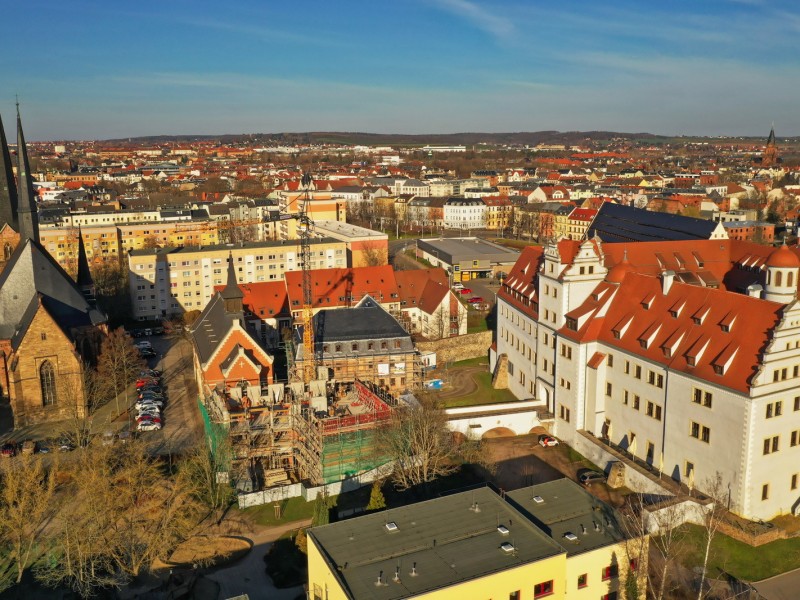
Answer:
x=462 y=347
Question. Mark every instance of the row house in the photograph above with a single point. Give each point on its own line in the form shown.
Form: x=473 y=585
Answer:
x=684 y=353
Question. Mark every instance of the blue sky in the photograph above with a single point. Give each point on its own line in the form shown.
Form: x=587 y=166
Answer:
x=86 y=69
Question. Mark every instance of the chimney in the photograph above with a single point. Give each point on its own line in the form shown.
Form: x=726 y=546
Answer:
x=754 y=290
x=667 y=277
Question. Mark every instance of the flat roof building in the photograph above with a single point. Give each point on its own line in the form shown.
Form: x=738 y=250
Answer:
x=466 y=257
x=551 y=540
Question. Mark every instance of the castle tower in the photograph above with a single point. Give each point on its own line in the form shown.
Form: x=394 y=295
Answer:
x=783 y=267
x=27 y=215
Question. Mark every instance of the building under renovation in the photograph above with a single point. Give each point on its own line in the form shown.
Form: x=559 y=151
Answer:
x=319 y=431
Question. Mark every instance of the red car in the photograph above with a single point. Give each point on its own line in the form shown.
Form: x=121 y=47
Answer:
x=465 y=291
x=475 y=300
x=140 y=383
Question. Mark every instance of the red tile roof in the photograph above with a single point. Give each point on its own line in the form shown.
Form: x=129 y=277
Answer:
x=684 y=329
x=343 y=287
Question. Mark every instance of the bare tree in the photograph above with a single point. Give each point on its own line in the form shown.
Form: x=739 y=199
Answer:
x=123 y=512
x=373 y=255
x=417 y=439
x=83 y=396
x=666 y=541
x=119 y=364
x=205 y=469
x=26 y=506
x=712 y=520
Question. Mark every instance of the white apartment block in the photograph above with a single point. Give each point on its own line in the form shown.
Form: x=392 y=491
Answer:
x=172 y=281
x=464 y=213
x=685 y=353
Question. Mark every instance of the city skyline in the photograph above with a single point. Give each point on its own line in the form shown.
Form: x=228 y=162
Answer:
x=433 y=66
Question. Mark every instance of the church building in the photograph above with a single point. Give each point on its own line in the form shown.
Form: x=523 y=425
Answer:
x=50 y=328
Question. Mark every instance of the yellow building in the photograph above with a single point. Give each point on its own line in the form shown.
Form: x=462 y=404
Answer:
x=321 y=207
x=137 y=236
x=101 y=243
x=171 y=281
x=552 y=540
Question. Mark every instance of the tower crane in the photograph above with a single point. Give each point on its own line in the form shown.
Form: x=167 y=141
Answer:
x=304 y=227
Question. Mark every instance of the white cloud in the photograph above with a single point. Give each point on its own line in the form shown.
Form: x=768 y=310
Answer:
x=495 y=25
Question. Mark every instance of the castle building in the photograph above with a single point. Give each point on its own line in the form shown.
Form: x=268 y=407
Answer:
x=50 y=328
x=685 y=353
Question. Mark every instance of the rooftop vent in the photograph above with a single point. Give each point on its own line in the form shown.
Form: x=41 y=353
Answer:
x=570 y=537
x=391 y=526
x=538 y=499
x=502 y=529
x=507 y=547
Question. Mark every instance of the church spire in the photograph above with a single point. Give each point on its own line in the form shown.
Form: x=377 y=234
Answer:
x=8 y=189
x=231 y=294
x=26 y=211
x=84 y=278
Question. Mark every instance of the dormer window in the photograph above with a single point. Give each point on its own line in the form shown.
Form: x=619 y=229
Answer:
x=697 y=321
x=690 y=361
x=572 y=324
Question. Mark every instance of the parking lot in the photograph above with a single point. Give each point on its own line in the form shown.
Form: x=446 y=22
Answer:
x=182 y=423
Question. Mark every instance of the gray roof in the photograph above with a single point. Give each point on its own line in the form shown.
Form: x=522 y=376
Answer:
x=32 y=273
x=211 y=327
x=365 y=321
x=567 y=508
x=455 y=250
x=446 y=540
x=619 y=223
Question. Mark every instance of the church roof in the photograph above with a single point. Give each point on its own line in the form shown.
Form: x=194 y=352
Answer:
x=31 y=272
x=8 y=189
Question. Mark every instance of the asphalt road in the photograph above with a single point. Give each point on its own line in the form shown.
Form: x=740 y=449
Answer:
x=780 y=587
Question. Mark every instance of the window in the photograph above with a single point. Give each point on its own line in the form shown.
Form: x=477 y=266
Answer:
x=765 y=491
x=609 y=596
x=627 y=367
x=583 y=580
x=794 y=481
x=774 y=409
x=638 y=372
x=771 y=444
x=47 y=381
x=608 y=389
x=636 y=401
x=566 y=351
x=688 y=469
x=702 y=397
x=795 y=439
x=797 y=403
x=514 y=595
x=700 y=432
x=540 y=590
x=611 y=363
x=610 y=572
x=44 y=336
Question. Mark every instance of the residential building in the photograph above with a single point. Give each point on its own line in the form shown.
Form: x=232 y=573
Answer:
x=365 y=247
x=167 y=281
x=464 y=213
x=552 y=540
x=428 y=305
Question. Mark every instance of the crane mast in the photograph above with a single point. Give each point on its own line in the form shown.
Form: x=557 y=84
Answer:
x=304 y=222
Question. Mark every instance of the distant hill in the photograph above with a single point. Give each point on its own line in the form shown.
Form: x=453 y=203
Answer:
x=529 y=138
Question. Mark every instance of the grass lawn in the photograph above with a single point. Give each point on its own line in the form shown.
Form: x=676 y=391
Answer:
x=739 y=559
x=292 y=509
x=515 y=244
x=471 y=362
x=485 y=394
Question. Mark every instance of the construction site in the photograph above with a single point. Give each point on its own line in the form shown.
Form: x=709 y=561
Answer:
x=316 y=434
x=321 y=426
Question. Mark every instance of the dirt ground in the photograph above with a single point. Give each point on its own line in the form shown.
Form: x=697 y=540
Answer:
x=520 y=461
x=202 y=549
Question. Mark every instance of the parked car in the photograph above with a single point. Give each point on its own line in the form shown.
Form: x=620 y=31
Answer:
x=475 y=300
x=147 y=332
x=150 y=374
x=458 y=286
x=147 y=352
x=464 y=291
x=547 y=441
x=143 y=344
x=140 y=383
x=590 y=477
x=8 y=450
x=148 y=419
x=148 y=426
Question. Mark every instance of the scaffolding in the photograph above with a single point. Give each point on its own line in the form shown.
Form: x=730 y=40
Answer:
x=298 y=434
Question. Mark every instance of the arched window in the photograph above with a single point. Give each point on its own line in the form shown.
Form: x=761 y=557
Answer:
x=47 y=379
x=778 y=278
x=790 y=279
